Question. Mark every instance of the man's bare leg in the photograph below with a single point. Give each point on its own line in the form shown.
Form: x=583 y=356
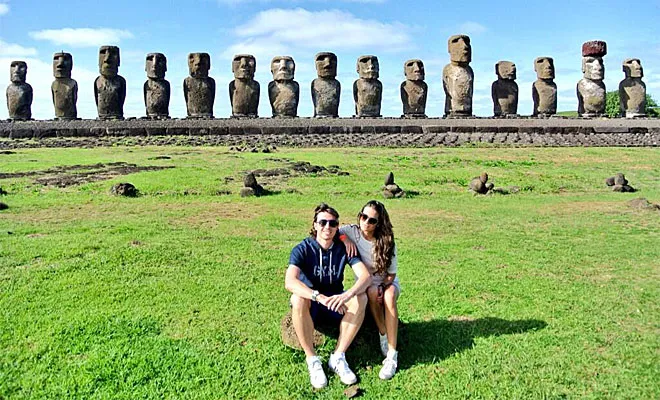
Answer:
x=303 y=324
x=351 y=323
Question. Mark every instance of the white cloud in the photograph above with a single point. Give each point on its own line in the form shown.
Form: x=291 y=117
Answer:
x=472 y=28
x=236 y=2
x=82 y=37
x=330 y=29
x=4 y=8
x=16 y=50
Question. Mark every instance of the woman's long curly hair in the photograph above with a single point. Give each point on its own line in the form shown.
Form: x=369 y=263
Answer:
x=384 y=246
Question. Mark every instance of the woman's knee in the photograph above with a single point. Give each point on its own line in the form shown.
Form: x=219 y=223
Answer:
x=390 y=296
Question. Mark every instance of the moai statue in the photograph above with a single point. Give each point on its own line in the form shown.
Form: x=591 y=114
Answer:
x=326 y=89
x=367 y=89
x=458 y=78
x=109 y=87
x=414 y=90
x=544 y=89
x=156 y=89
x=505 y=90
x=591 y=88
x=632 y=91
x=64 y=89
x=19 y=92
x=244 y=90
x=283 y=91
x=199 y=87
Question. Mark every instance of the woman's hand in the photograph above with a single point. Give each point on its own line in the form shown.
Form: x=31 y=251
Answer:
x=351 y=248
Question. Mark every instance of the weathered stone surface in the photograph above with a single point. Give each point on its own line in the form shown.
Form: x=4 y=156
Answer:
x=283 y=91
x=367 y=89
x=64 y=89
x=609 y=181
x=620 y=179
x=644 y=204
x=156 y=89
x=414 y=90
x=505 y=90
x=124 y=189
x=3 y=206
x=326 y=90
x=244 y=91
x=591 y=90
x=199 y=87
x=389 y=179
x=391 y=189
x=480 y=185
x=594 y=48
x=19 y=92
x=544 y=89
x=458 y=78
x=289 y=337
x=250 y=186
x=109 y=87
x=632 y=90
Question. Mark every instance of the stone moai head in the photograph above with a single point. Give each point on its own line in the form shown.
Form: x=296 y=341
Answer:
x=505 y=70
x=109 y=60
x=62 y=65
x=632 y=67
x=156 y=65
x=367 y=67
x=244 y=66
x=18 y=71
x=592 y=59
x=544 y=68
x=414 y=70
x=326 y=65
x=199 y=64
x=283 y=68
x=460 y=50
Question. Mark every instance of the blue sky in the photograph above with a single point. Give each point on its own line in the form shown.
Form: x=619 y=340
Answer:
x=518 y=31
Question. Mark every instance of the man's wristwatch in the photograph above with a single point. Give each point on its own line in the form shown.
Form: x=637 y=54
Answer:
x=315 y=294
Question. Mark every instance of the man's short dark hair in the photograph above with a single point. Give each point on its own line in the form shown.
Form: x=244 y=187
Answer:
x=319 y=209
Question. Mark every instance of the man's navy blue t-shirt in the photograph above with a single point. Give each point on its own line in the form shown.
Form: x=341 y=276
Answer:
x=323 y=269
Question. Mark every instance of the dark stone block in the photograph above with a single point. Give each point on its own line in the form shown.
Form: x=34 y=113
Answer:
x=159 y=131
x=318 y=130
x=21 y=133
x=507 y=129
x=251 y=130
x=412 y=129
x=462 y=129
x=639 y=130
x=610 y=129
x=176 y=131
x=436 y=129
x=530 y=129
x=44 y=133
x=551 y=130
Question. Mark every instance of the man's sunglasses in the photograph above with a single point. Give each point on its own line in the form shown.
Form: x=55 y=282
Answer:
x=370 y=220
x=332 y=222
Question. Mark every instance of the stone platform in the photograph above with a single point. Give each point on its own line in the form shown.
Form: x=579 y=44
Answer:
x=339 y=132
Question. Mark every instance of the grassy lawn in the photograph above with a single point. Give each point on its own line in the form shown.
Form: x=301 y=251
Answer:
x=551 y=292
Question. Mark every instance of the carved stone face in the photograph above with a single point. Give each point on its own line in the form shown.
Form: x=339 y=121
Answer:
x=109 y=60
x=460 y=49
x=545 y=68
x=505 y=70
x=326 y=65
x=593 y=68
x=367 y=67
x=18 y=71
x=632 y=67
x=62 y=65
x=199 y=65
x=156 y=65
x=244 y=66
x=283 y=68
x=414 y=70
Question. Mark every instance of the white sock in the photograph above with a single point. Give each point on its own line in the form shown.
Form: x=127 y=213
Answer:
x=311 y=359
x=392 y=354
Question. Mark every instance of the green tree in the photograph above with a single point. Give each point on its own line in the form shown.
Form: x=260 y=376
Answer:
x=613 y=105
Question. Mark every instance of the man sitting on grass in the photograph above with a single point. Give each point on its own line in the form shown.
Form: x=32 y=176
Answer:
x=315 y=279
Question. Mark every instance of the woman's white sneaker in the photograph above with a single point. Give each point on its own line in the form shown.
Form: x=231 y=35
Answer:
x=389 y=365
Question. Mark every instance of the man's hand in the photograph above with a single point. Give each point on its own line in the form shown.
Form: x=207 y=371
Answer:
x=336 y=303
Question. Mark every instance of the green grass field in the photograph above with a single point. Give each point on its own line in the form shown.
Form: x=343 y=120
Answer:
x=548 y=293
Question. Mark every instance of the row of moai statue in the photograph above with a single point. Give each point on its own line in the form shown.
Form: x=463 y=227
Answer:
x=284 y=91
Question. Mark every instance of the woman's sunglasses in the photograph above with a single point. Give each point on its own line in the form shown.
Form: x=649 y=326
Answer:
x=332 y=222
x=370 y=220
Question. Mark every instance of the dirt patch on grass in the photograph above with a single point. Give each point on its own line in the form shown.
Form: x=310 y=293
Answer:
x=213 y=214
x=579 y=207
x=70 y=175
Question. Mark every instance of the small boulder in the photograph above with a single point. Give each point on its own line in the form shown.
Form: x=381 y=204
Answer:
x=480 y=185
x=3 y=206
x=124 y=189
x=3 y=192
x=390 y=189
x=619 y=183
x=289 y=337
x=251 y=187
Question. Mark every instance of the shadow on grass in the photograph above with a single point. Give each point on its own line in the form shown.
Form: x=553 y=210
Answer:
x=422 y=342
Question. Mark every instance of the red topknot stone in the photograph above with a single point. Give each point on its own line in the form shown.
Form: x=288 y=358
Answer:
x=594 y=48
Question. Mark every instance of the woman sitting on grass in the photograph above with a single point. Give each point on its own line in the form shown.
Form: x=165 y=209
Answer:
x=374 y=240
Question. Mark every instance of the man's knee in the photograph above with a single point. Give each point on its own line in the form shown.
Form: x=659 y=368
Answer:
x=299 y=303
x=361 y=300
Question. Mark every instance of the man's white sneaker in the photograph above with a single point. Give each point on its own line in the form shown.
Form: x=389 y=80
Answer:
x=389 y=366
x=316 y=374
x=337 y=363
x=383 y=344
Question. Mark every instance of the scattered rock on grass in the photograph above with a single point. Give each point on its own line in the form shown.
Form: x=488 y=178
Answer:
x=124 y=189
x=480 y=184
x=3 y=206
x=619 y=183
x=251 y=187
x=390 y=189
x=2 y=192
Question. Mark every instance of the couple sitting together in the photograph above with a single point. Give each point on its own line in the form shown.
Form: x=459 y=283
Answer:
x=315 y=279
